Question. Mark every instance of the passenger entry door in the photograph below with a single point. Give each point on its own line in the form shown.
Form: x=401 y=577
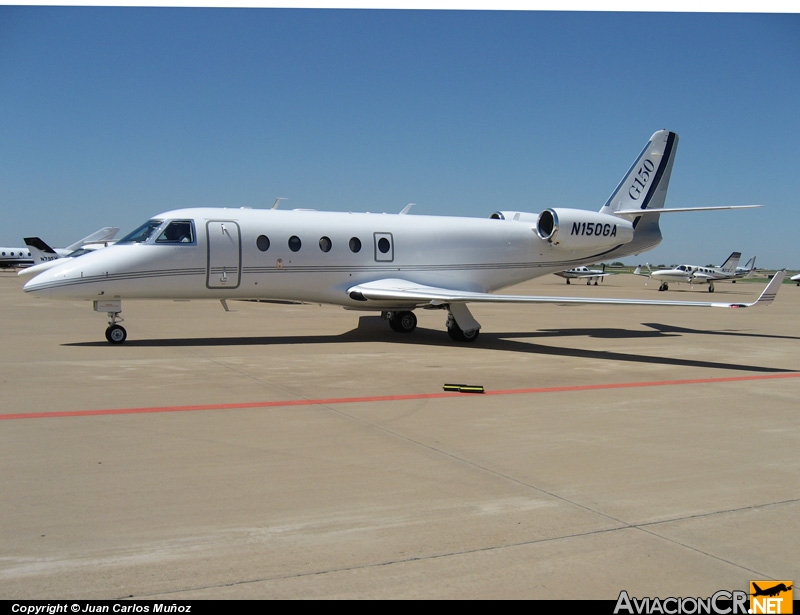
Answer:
x=224 y=254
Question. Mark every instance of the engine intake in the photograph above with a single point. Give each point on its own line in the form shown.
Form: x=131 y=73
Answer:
x=577 y=229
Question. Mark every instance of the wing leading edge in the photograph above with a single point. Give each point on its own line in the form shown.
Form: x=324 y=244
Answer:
x=407 y=293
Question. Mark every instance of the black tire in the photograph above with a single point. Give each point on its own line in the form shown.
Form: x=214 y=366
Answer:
x=403 y=322
x=116 y=334
x=470 y=336
x=457 y=335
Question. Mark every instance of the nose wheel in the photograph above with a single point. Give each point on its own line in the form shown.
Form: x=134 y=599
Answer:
x=116 y=334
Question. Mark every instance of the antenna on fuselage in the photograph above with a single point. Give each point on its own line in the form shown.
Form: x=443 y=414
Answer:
x=278 y=201
x=407 y=208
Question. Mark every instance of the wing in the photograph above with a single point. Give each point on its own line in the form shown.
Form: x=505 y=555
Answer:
x=407 y=293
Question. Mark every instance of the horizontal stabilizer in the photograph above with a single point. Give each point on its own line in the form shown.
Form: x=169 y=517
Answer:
x=678 y=210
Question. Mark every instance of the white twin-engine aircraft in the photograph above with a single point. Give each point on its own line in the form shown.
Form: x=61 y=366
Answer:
x=391 y=263
x=697 y=274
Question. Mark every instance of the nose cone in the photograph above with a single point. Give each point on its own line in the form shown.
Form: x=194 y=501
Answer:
x=37 y=269
x=41 y=283
x=68 y=278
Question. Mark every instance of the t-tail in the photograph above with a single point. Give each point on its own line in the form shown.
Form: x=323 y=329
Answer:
x=40 y=251
x=644 y=189
x=730 y=265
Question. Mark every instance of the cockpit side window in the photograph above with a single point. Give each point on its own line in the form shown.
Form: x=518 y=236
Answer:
x=177 y=231
x=143 y=233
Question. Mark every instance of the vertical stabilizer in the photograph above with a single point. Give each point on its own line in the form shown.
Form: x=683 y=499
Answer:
x=730 y=265
x=40 y=251
x=644 y=186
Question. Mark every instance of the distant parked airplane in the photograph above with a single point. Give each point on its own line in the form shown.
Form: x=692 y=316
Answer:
x=583 y=273
x=743 y=272
x=46 y=257
x=37 y=251
x=692 y=274
x=15 y=257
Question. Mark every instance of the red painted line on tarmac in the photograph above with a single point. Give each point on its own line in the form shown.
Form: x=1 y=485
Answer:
x=382 y=398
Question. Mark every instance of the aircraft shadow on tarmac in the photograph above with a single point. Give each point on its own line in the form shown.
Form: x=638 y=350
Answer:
x=373 y=329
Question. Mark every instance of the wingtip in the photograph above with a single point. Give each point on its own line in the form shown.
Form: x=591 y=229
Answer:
x=771 y=291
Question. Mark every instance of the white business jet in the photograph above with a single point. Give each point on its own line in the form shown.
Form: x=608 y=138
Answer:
x=45 y=257
x=583 y=273
x=390 y=263
x=15 y=257
x=37 y=252
x=697 y=274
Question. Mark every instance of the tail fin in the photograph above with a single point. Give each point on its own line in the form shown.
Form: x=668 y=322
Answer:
x=40 y=251
x=644 y=186
x=732 y=262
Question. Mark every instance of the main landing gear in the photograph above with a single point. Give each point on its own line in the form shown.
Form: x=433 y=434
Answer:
x=461 y=326
x=458 y=335
x=401 y=322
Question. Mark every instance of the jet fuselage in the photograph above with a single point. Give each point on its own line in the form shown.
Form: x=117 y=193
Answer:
x=315 y=256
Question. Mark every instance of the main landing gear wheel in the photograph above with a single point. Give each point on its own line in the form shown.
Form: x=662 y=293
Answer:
x=457 y=335
x=664 y=286
x=403 y=322
x=116 y=334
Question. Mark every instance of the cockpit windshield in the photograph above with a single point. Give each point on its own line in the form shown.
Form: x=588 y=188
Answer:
x=177 y=231
x=143 y=233
x=173 y=231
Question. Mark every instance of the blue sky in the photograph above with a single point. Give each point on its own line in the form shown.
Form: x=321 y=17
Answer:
x=112 y=115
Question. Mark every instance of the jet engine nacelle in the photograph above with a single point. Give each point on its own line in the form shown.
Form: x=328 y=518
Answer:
x=577 y=229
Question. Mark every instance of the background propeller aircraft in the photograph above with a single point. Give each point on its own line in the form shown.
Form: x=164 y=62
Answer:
x=392 y=264
x=584 y=273
x=697 y=274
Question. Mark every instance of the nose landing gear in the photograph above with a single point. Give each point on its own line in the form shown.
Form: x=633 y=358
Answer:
x=115 y=333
